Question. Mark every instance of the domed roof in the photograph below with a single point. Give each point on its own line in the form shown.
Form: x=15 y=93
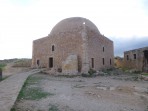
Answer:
x=69 y=24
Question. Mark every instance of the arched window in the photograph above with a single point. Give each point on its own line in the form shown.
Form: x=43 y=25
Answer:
x=103 y=49
x=53 y=48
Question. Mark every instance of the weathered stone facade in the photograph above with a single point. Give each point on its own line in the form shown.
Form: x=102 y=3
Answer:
x=70 y=65
x=136 y=59
x=73 y=36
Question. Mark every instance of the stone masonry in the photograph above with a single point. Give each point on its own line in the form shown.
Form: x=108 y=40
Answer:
x=70 y=65
x=137 y=59
x=73 y=36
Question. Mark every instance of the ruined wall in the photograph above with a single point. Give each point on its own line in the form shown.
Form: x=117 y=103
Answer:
x=138 y=62
x=119 y=62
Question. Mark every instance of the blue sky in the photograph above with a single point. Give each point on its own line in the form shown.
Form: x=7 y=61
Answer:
x=22 y=21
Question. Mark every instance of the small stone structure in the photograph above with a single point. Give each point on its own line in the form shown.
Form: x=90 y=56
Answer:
x=136 y=59
x=74 y=45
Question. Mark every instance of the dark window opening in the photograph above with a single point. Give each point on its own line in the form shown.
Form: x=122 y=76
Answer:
x=110 y=62
x=103 y=49
x=127 y=57
x=50 y=62
x=103 y=61
x=38 y=62
x=146 y=55
x=92 y=62
x=135 y=56
x=52 y=47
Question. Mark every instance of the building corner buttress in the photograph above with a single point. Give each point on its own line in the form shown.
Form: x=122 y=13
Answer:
x=85 y=60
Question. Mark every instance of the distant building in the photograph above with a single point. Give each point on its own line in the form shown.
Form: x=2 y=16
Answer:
x=137 y=59
x=74 y=45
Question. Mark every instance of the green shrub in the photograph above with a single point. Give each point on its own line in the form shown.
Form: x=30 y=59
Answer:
x=145 y=74
x=91 y=72
x=13 y=109
x=2 y=66
x=85 y=75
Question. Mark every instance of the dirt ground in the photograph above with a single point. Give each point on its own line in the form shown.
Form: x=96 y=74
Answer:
x=101 y=93
x=10 y=70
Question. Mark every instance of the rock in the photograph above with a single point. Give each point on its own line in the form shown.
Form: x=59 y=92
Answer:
x=100 y=73
x=102 y=87
x=144 y=77
x=98 y=96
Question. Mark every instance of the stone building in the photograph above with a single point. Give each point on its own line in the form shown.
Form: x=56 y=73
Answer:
x=137 y=59
x=74 y=45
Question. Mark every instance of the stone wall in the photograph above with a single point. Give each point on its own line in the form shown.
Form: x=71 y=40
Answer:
x=72 y=44
x=70 y=65
x=100 y=47
x=139 y=62
x=119 y=62
x=65 y=44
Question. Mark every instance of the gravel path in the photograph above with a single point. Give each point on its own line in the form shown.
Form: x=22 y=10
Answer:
x=10 y=88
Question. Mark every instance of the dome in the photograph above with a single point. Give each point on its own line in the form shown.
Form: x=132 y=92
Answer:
x=69 y=24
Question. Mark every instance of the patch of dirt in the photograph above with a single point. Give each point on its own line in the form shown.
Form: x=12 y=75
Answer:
x=10 y=70
x=89 y=94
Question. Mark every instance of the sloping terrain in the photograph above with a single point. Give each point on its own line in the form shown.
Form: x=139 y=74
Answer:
x=14 y=66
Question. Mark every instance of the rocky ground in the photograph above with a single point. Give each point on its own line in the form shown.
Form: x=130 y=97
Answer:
x=107 y=91
x=101 y=93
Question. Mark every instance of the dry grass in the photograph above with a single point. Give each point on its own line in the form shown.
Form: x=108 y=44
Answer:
x=22 y=63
